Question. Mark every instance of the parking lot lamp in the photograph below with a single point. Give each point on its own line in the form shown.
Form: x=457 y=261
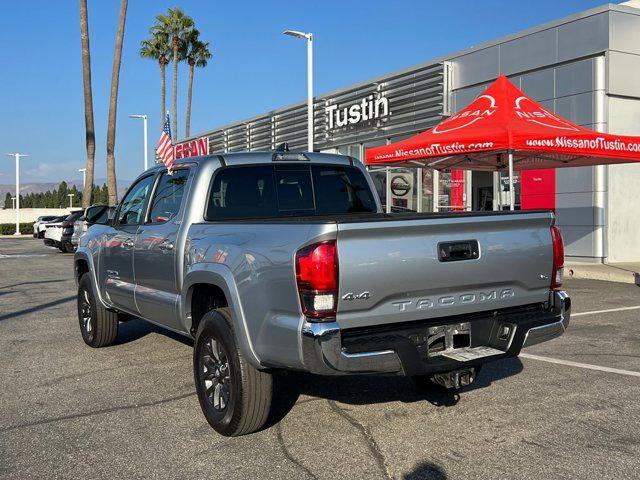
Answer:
x=144 y=126
x=309 y=37
x=17 y=157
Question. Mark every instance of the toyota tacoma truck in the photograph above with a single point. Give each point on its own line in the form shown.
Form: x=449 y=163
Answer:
x=283 y=260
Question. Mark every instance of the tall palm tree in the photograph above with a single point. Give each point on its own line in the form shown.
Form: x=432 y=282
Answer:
x=90 y=135
x=158 y=48
x=113 y=105
x=197 y=54
x=177 y=25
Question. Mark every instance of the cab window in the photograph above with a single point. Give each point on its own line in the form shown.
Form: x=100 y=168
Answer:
x=134 y=203
x=168 y=196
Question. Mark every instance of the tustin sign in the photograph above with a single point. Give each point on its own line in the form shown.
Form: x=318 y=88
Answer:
x=364 y=110
x=192 y=148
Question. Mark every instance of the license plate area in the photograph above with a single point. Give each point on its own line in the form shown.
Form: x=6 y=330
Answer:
x=443 y=339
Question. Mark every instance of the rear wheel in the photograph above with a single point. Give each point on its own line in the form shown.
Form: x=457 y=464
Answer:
x=99 y=326
x=235 y=397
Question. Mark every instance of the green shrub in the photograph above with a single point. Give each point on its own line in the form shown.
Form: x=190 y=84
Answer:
x=10 y=228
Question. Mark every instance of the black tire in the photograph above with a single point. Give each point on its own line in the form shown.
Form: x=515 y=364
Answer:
x=99 y=326
x=41 y=235
x=235 y=397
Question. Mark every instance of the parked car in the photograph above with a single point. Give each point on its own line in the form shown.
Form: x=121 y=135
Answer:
x=39 y=225
x=285 y=261
x=67 y=231
x=92 y=214
x=53 y=232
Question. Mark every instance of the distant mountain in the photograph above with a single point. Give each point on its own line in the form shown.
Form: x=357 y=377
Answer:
x=27 y=188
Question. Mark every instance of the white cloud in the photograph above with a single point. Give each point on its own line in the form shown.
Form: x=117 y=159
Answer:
x=52 y=172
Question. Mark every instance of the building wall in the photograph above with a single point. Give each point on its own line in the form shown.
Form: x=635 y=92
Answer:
x=623 y=102
x=31 y=214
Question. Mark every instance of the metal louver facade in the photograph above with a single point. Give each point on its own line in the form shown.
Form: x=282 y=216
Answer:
x=414 y=99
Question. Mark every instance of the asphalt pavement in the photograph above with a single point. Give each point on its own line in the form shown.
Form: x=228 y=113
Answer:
x=569 y=409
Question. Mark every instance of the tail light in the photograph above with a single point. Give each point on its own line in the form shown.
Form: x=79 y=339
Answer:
x=317 y=279
x=557 y=275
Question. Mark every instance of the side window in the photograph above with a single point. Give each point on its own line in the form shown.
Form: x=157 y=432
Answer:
x=133 y=204
x=167 y=200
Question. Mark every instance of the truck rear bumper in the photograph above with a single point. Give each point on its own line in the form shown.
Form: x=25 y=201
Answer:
x=328 y=350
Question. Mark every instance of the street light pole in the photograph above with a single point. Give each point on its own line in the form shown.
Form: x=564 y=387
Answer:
x=144 y=126
x=84 y=176
x=17 y=157
x=309 y=37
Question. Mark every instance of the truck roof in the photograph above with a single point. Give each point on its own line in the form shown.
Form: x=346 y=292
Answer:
x=248 y=158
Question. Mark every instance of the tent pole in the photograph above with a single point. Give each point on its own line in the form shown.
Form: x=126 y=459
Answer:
x=388 y=190
x=419 y=191
x=512 y=194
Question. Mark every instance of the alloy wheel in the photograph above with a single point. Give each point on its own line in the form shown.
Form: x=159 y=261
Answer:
x=216 y=374
x=86 y=316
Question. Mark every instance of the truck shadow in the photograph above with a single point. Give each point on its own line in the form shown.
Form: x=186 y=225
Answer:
x=373 y=389
x=136 y=328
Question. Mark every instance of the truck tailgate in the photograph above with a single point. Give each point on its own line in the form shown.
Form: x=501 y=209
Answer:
x=398 y=270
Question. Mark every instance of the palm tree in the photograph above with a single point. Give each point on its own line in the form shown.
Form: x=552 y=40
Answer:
x=177 y=26
x=90 y=136
x=113 y=104
x=158 y=48
x=197 y=53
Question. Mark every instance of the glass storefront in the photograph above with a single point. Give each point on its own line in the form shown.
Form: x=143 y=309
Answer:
x=412 y=189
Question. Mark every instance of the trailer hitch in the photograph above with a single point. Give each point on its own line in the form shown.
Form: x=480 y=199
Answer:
x=456 y=379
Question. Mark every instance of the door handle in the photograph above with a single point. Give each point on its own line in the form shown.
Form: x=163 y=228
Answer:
x=128 y=243
x=166 y=246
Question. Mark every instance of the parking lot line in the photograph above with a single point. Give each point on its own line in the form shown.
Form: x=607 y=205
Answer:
x=621 y=309
x=580 y=365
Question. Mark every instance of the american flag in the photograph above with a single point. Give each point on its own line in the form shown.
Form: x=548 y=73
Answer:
x=164 y=150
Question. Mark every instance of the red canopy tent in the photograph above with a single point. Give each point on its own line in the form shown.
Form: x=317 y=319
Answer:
x=504 y=122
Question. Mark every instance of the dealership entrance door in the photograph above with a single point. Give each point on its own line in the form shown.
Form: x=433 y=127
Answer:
x=482 y=191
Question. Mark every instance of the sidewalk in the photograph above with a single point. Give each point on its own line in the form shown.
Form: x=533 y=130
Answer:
x=611 y=272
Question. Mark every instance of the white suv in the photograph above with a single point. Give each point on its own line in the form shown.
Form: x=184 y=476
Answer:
x=39 y=225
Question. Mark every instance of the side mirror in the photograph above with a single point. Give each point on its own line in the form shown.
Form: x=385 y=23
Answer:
x=100 y=214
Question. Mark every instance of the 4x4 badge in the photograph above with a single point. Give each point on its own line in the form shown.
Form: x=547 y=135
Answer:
x=356 y=296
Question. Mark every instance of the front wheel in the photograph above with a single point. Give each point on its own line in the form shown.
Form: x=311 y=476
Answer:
x=235 y=397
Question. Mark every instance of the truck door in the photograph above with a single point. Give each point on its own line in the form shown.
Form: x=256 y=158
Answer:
x=117 y=254
x=156 y=251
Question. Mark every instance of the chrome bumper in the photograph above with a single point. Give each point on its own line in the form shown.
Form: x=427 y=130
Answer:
x=322 y=353
x=544 y=333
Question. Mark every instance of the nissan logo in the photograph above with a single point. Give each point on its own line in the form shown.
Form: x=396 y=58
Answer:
x=399 y=186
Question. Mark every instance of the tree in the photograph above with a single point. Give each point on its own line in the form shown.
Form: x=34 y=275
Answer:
x=158 y=48
x=90 y=136
x=197 y=54
x=177 y=26
x=8 y=203
x=113 y=106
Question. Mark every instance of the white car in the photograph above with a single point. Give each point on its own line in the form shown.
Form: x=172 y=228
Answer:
x=39 y=225
x=53 y=233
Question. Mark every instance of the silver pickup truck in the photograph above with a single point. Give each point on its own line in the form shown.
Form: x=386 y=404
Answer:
x=282 y=260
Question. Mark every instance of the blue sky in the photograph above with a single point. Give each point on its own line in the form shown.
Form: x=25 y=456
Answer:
x=254 y=68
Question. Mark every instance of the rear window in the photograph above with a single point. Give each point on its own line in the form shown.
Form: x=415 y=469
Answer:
x=265 y=191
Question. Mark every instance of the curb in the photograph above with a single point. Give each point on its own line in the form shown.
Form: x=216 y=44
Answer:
x=606 y=273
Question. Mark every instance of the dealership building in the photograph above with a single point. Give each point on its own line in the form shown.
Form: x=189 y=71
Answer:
x=585 y=68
